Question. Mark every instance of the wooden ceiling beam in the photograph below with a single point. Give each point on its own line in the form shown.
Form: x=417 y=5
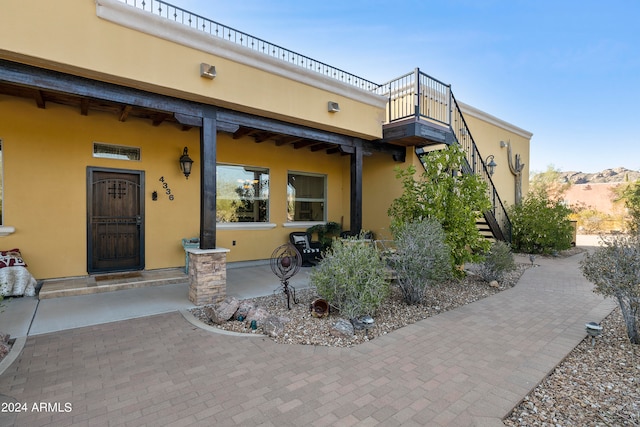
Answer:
x=159 y=118
x=84 y=106
x=242 y=131
x=302 y=144
x=39 y=98
x=263 y=136
x=318 y=147
x=124 y=113
x=284 y=140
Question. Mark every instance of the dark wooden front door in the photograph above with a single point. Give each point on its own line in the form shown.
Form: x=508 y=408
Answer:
x=115 y=220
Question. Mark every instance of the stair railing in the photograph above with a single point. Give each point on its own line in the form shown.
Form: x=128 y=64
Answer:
x=419 y=95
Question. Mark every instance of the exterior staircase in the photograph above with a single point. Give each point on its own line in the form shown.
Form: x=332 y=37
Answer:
x=423 y=113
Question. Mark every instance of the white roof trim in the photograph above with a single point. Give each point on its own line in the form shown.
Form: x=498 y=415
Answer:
x=139 y=20
x=479 y=114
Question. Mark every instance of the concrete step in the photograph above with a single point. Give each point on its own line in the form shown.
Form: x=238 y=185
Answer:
x=56 y=288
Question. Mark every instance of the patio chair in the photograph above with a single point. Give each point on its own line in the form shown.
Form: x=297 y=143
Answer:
x=310 y=250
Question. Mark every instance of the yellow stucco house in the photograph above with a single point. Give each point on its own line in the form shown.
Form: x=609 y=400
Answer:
x=100 y=99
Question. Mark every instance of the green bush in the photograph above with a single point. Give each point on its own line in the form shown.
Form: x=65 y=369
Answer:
x=614 y=268
x=422 y=258
x=540 y=225
x=351 y=277
x=326 y=233
x=497 y=262
x=456 y=200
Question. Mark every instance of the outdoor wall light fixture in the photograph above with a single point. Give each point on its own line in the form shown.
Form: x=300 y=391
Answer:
x=207 y=71
x=491 y=164
x=333 y=107
x=186 y=163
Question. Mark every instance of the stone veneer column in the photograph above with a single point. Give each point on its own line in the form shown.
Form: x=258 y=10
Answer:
x=207 y=275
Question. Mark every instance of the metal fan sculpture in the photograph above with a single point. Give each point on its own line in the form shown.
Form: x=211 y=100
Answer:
x=285 y=263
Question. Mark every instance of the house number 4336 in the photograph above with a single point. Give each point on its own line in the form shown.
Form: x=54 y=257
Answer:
x=166 y=188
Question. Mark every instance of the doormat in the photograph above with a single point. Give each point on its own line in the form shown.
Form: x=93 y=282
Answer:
x=118 y=276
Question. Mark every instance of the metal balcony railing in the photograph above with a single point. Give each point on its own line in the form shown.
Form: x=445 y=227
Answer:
x=215 y=29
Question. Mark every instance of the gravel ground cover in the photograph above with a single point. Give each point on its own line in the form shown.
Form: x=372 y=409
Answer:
x=596 y=385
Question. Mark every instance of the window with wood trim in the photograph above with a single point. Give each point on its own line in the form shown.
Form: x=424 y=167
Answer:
x=242 y=194
x=306 y=197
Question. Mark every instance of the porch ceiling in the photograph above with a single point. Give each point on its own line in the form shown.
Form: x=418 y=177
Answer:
x=123 y=111
x=86 y=104
x=46 y=87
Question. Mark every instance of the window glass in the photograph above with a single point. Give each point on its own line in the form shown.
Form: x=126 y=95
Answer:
x=242 y=194
x=119 y=152
x=306 y=197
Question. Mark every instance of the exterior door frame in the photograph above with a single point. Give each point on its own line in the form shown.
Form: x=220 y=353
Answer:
x=91 y=267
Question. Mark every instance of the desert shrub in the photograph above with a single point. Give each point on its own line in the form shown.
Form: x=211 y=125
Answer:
x=421 y=259
x=540 y=225
x=351 y=277
x=497 y=262
x=614 y=268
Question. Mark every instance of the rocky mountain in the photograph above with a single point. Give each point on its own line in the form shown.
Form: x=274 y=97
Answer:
x=608 y=175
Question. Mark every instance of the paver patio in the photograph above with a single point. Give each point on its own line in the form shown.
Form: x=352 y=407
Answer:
x=469 y=366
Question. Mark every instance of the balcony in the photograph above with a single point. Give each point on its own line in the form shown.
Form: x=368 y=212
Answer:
x=419 y=111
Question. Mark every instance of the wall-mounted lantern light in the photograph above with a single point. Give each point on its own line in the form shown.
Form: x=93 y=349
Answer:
x=491 y=164
x=186 y=163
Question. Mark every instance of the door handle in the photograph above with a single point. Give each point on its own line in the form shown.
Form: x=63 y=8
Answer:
x=138 y=220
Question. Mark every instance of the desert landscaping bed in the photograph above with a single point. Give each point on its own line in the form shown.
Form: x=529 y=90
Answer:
x=300 y=327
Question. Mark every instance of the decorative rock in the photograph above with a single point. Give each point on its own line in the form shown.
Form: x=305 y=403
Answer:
x=222 y=311
x=259 y=314
x=342 y=329
x=244 y=309
x=274 y=325
x=494 y=284
x=4 y=350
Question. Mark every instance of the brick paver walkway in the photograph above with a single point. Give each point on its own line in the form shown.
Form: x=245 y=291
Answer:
x=469 y=366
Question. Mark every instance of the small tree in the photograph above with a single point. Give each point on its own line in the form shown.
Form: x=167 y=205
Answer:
x=614 y=268
x=540 y=225
x=422 y=258
x=630 y=195
x=444 y=193
x=351 y=277
x=550 y=182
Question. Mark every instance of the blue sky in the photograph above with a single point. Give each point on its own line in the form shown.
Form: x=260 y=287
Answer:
x=567 y=71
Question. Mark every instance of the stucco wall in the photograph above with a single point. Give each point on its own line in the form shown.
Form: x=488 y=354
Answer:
x=68 y=35
x=45 y=156
x=487 y=132
x=46 y=153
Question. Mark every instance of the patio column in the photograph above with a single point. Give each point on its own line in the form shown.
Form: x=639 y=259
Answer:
x=208 y=179
x=356 y=188
x=207 y=275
